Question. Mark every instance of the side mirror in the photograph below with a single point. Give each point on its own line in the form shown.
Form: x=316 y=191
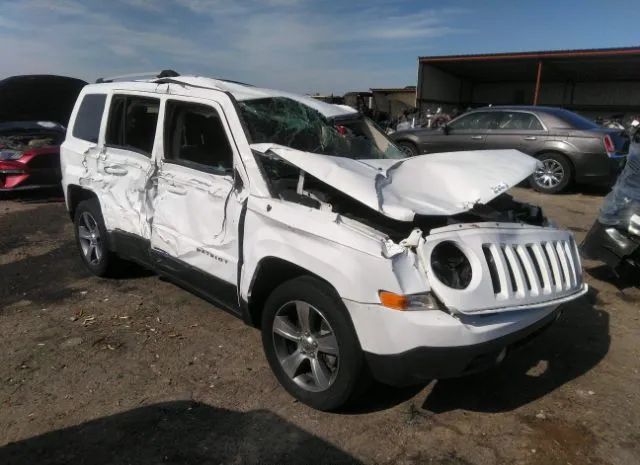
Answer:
x=445 y=129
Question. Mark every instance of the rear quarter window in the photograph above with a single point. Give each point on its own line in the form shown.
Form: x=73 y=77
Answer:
x=87 y=123
x=570 y=120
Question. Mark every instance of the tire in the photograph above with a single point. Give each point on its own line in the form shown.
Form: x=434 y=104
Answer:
x=408 y=148
x=92 y=242
x=555 y=177
x=343 y=375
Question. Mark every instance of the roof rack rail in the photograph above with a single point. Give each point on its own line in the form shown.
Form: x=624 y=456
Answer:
x=156 y=74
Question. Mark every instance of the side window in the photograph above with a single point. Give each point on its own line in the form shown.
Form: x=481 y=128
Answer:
x=132 y=123
x=478 y=120
x=194 y=136
x=521 y=121
x=87 y=123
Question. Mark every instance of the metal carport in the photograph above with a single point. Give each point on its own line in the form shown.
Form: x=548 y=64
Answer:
x=595 y=81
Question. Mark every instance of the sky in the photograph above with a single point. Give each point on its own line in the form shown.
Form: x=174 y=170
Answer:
x=306 y=46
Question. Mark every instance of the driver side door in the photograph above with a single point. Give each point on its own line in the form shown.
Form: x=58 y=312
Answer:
x=194 y=234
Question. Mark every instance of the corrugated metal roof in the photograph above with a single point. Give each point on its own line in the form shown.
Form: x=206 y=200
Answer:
x=619 y=51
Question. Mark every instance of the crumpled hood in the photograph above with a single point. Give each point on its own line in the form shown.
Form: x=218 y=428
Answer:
x=435 y=184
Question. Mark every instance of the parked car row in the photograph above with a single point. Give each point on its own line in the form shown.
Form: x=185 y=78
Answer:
x=570 y=148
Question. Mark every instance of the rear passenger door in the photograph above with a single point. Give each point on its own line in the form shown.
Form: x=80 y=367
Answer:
x=125 y=165
x=517 y=130
x=197 y=207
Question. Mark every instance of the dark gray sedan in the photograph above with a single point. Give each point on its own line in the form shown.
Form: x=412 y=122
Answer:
x=570 y=147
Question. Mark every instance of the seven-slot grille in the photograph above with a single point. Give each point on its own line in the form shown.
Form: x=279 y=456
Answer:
x=533 y=269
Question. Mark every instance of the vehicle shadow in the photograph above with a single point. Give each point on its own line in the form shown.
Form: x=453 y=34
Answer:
x=179 y=432
x=380 y=397
x=577 y=342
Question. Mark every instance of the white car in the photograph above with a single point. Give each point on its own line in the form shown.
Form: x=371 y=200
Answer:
x=305 y=220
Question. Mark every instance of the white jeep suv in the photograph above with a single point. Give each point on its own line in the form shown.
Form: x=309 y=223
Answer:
x=304 y=220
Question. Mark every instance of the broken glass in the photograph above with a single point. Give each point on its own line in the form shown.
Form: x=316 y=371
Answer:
x=286 y=122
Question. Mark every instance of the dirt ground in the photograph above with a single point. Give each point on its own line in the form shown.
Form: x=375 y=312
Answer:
x=138 y=371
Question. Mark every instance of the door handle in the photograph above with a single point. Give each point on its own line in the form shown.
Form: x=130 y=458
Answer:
x=530 y=138
x=477 y=137
x=115 y=170
x=176 y=190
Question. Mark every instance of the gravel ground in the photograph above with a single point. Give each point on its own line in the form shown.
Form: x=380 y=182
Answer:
x=139 y=371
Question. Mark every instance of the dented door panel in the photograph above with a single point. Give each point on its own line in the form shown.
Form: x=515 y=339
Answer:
x=196 y=220
x=196 y=208
x=122 y=183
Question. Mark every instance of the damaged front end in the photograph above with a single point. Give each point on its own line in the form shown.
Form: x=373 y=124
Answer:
x=446 y=215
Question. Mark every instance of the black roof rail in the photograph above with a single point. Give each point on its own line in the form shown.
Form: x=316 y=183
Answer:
x=158 y=74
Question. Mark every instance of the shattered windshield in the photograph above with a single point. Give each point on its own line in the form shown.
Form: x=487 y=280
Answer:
x=283 y=121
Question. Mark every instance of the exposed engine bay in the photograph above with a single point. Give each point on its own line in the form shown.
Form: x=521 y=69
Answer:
x=291 y=184
x=30 y=141
x=17 y=138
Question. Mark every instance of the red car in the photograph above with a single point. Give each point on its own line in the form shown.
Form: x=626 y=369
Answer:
x=34 y=111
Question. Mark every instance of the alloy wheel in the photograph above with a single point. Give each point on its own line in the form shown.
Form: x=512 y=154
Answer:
x=550 y=174
x=90 y=240
x=306 y=346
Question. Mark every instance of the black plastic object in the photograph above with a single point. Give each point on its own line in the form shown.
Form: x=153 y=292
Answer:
x=165 y=73
x=451 y=266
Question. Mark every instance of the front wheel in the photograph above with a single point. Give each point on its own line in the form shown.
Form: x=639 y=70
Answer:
x=554 y=175
x=310 y=344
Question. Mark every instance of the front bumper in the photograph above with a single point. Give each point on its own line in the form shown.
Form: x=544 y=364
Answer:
x=423 y=364
x=410 y=347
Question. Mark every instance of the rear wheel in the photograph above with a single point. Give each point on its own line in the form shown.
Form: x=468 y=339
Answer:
x=408 y=148
x=311 y=345
x=91 y=238
x=554 y=175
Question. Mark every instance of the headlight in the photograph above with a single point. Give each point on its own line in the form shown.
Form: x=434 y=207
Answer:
x=7 y=154
x=450 y=265
x=425 y=301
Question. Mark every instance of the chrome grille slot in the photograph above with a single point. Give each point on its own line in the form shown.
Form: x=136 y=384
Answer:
x=517 y=274
x=493 y=269
x=555 y=265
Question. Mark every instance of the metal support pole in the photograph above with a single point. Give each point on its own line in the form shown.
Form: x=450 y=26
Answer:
x=537 y=91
